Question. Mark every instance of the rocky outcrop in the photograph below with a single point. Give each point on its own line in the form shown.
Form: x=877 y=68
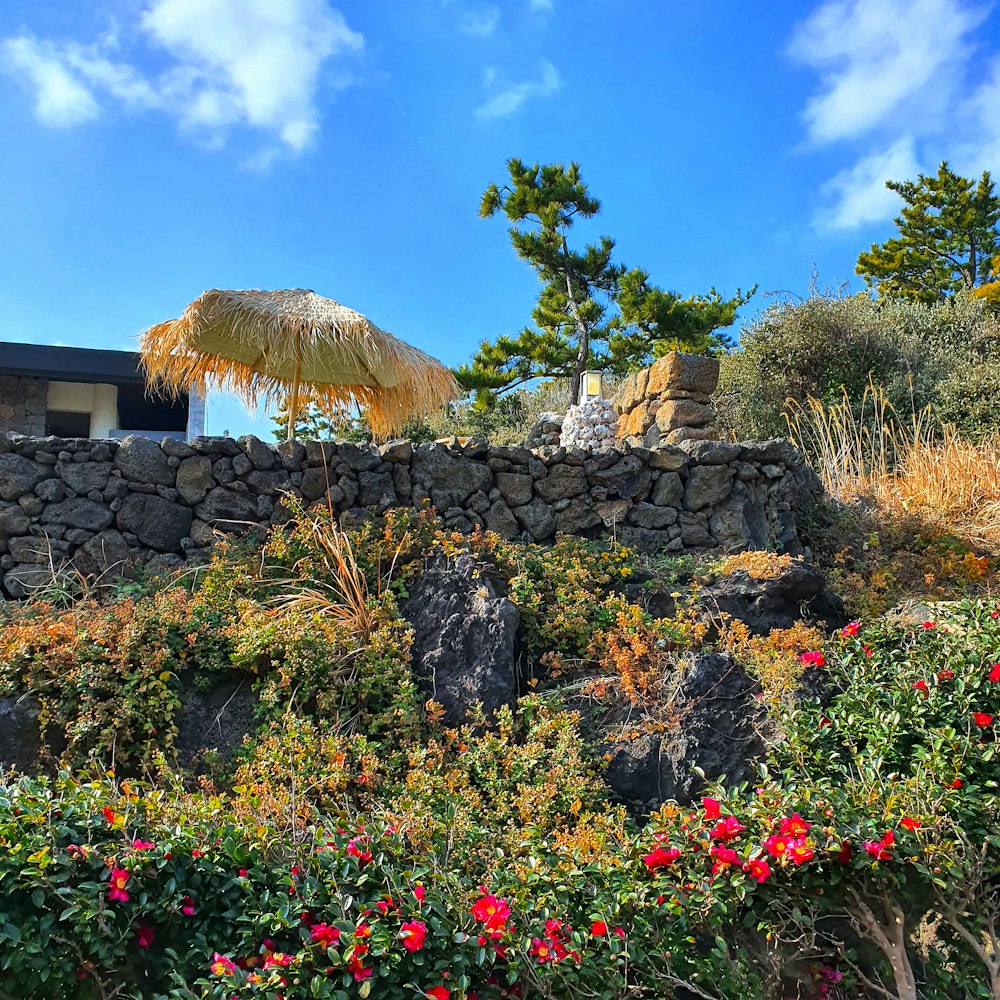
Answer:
x=464 y=638
x=796 y=592
x=215 y=721
x=716 y=730
x=105 y=506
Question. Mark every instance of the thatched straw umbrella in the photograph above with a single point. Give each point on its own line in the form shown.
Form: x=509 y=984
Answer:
x=264 y=346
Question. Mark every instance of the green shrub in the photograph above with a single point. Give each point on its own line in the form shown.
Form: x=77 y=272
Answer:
x=815 y=346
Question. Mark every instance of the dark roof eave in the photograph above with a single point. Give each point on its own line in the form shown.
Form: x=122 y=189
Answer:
x=70 y=364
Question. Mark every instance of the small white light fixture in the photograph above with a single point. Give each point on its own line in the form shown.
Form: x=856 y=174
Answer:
x=591 y=387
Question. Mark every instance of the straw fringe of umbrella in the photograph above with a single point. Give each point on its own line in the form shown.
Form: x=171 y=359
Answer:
x=269 y=346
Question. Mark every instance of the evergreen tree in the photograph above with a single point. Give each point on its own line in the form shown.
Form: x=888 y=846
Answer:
x=948 y=239
x=591 y=313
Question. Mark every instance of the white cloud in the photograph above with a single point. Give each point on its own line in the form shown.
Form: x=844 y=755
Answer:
x=875 y=55
x=859 y=195
x=61 y=99
x=540 y=5
x=905 y=78
x=480 y=23
x=510 y=99
x=228 y=63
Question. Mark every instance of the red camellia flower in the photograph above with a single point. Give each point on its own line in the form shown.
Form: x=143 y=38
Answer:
x=325 y=935
x=794 y=826
x=543 y=951
x=921 y=686
x=728 y=828
x=757 y=869
x=725 y=857
x=945 y=675
x=799 y=851
x=277 y=960
x=712 y=808
x=598 y=928
x=355 y=962
x=188 y=907
x=660 y=857
x=845 y=853
x=116 y=888
x=439 y=992
x=982 y=719
x=994 y=674
x=222 y=965
x=142 y=845
x=420 y=893
x=413 y=933
x=813 y=658
x=491 y=911
x=362 y=854
x=144 y=935
x=879 y=849
x=776 y=845
x=850 y=629
x=928 y=625
x=109 y=815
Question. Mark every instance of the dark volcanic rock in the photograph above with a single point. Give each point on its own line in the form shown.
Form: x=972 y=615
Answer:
x=142 y=461
x=20 y=742
x=717 y=731
x=19 y=475
x=463 y=646
x=798 y=592
x=158 y=523
x=216 y=720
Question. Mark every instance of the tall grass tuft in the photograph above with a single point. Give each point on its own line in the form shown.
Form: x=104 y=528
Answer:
x=903 y=465
x=328 y=581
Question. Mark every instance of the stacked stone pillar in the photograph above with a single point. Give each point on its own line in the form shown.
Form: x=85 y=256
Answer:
x=669 y=402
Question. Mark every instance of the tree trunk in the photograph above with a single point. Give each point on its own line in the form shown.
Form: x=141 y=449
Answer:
x=582 y=331
x=891 y=940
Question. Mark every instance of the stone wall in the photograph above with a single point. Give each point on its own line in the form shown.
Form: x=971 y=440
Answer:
x=23 y=402
x=669 y=402
x=103 y=506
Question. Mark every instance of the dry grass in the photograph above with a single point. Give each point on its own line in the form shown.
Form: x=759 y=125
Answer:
x=904 y=466
x=329 y=582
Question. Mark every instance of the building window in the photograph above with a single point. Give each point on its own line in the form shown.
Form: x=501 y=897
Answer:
x=67 y=424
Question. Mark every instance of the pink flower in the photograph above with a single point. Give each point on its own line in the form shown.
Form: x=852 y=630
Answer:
x=144 y=935
x=813 y=658
x=712 y=808
x=851 y=629
x=413 y=933
x=188 y=907
x=142 y=845
x=420 y=893
x=800 y=851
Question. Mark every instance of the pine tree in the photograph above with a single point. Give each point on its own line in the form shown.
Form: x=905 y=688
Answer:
x=591 y=313
x=948 y=239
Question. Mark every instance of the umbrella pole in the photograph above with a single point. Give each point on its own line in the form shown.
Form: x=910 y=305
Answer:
x=293 y=399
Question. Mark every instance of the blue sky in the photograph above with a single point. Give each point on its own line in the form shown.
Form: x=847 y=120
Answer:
x=155 y=148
